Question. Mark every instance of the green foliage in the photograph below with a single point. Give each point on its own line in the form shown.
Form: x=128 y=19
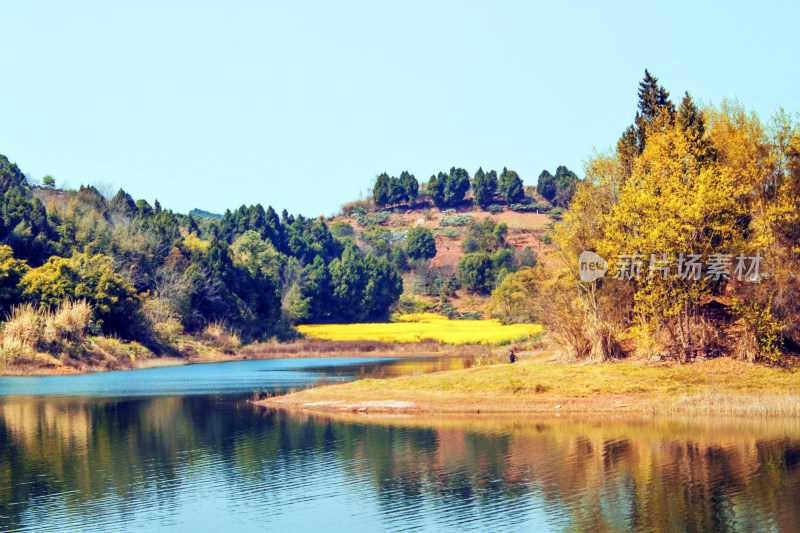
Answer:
x=448 y=189
x=546 y=186
x=48 y=182
x=558 y=189
x=484 y=186
x=510 y=186
x=11 y=176
x=485 y=236
x=410 y=186
x=373 y=220
x=566 y=180
x=434 y=281
x=200 y=213
x=420 y=244
x=362 y=287
x=762 y=325
x=253 y=270
x=342 y=229
x=393 y=191
x=495 y=209
x=530 y=208
x=11 y=272
x=115 y=304
x=476 y=272
x=456 y=220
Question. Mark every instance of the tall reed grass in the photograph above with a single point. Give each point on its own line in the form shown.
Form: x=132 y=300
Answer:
x=222 y=338
x=29 y=329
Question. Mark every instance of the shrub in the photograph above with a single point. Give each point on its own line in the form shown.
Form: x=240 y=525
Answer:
x=222 y=338
x=413 y=304
x=762 y=336
x=115 y=304
x=29 y=329
x=531 y=208
x=450 y=233
x=420 y=244
x=456 y=220
x=372 y=220
x=495 y=209
x=476 y=272
x=342 y=229
x=162 y=320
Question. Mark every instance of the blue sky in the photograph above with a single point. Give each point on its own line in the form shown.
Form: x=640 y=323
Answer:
x=301 y=104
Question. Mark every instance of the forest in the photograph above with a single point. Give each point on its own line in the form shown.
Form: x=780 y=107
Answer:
x=148 y=274
x=696 y=211
x=77 y=263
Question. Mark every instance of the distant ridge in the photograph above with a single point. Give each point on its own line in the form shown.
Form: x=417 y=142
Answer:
x=204 y=214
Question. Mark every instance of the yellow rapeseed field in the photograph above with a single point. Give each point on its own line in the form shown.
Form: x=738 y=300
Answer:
x=419 y=326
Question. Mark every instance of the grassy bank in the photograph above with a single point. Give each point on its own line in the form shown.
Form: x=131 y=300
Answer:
x=721 y=386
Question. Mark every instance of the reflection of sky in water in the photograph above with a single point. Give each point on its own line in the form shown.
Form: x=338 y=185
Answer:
x=239 y=377
x=207 y=463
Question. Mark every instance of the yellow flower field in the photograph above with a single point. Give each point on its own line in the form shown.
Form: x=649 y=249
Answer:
x=415 y=327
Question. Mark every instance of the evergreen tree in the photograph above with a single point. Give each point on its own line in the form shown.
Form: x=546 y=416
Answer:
x=484 y=186
x=691 y=122
x=10 y=175
x=435 y=189
x=397 y=194
x=410 y=186
x=653 y=102
x=381 y=193
x=546 y=185
x=511 y=186
x=123 y=203
x=456 y=187
x=420 y=244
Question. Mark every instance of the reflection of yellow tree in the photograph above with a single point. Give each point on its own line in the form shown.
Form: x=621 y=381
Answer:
x=601 y=474
x=667 y=474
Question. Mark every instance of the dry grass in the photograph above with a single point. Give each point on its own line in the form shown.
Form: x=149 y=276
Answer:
x=331 y=348
x=720 y=386
x=420 y=326
x=222 y=338
x=29 y=330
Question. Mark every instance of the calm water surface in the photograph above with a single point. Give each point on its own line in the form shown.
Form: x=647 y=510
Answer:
x=178 y=449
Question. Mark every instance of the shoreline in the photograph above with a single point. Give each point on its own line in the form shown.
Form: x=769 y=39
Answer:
x=47 y=365
x=544 y=386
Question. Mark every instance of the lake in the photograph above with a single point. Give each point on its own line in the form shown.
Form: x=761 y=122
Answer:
x=180 y=449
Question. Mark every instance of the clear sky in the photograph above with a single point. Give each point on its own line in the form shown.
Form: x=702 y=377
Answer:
x=301 y=104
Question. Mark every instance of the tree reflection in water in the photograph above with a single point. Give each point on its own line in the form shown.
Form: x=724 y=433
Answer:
x=74 y=463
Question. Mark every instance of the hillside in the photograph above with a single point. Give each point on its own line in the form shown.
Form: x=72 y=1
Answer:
x=450 y=227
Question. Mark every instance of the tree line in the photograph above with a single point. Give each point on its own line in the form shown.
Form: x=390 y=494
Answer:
x=150 y=274
x=449 y=189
